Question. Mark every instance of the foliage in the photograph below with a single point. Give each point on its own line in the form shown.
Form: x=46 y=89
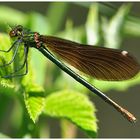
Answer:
x=53 y=93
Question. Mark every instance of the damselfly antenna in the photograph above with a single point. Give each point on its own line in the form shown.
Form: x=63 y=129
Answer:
x=98 y=62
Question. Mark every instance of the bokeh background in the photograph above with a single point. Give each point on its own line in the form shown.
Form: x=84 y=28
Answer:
x=66 y=19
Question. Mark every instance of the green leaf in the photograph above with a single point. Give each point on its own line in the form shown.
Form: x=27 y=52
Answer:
x=113 y=30
x=34 y=101
x=75 y=107
x=5 y=84
x=5 y=57
x=37 y=59
x=92 y=25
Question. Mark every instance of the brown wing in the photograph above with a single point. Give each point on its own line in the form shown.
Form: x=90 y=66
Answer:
x=101 y=63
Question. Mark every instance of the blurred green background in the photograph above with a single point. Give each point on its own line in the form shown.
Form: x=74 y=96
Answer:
x=115 y=25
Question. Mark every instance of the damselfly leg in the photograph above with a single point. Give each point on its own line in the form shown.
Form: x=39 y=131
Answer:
x=25 y=63
x=16 y=44
x=13 y=45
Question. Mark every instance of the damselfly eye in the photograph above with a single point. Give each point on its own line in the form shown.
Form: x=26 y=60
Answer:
x=12 y=33
x=17 y=31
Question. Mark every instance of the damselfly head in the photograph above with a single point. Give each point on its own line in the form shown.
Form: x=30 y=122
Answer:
x=16 y=31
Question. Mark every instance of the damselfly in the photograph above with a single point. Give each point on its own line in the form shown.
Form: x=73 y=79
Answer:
x=98 y=62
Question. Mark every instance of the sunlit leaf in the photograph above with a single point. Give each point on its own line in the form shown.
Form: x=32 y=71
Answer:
x=5 y=44
x=74 y=106
x=6 y=86
x=5 y=58
x=34 y=101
